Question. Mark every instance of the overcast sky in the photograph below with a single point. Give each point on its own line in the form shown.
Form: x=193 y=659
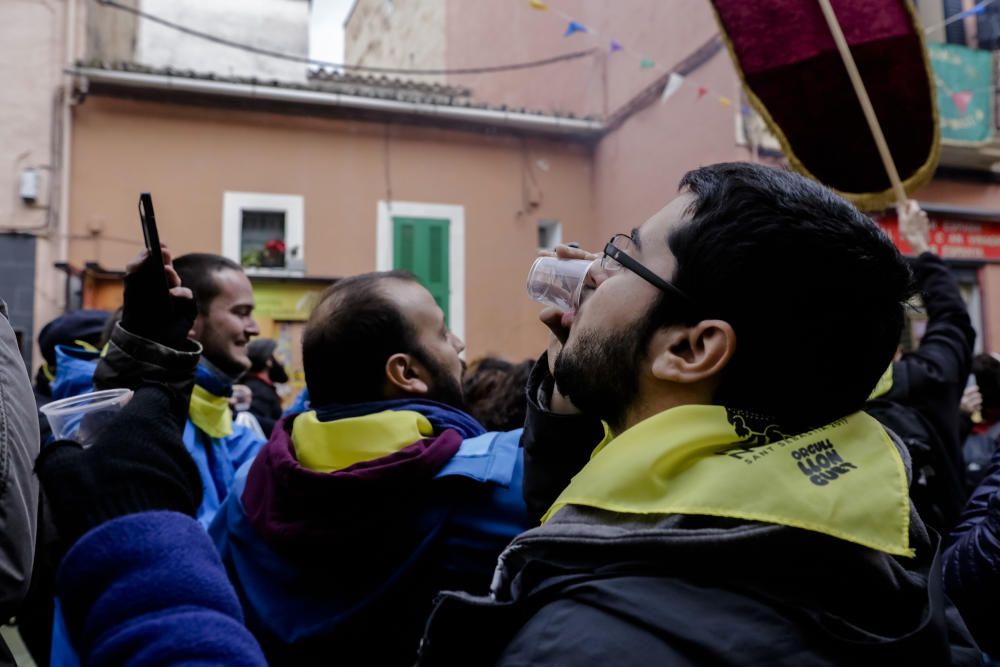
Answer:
x=326 y=29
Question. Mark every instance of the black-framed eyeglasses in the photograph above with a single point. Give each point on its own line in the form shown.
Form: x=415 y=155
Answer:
x=616 y=257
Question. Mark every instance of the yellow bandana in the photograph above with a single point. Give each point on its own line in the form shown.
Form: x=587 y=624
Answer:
x=845 y=479
x=884 y=384
x=338 y=444
x=211 y=413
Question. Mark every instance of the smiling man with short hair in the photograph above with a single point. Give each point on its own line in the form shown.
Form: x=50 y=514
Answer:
x=222 y=328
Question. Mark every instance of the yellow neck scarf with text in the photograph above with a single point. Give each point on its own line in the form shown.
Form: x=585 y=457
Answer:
x=846 y=479
x=211 y=413
x=338 y=444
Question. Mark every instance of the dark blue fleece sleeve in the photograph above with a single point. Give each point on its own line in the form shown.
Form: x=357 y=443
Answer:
x=972 y=561
x=149 y=588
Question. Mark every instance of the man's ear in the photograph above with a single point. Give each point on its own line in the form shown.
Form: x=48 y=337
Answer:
x=196 y=327
x=689 y=354
x=405 y=375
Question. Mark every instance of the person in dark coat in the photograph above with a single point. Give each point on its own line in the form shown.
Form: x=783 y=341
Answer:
x=710 y=490
x=77 y=329
x=972 y=560
x=265 y=372
x=141 y=584
x=983 y=401
x=921 y=403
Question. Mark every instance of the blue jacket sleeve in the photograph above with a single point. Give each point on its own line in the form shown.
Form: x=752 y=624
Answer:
x=149 y=588
x=972 y=561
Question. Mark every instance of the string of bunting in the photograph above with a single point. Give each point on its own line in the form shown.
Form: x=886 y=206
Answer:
x=979 y=8
x=674 y=82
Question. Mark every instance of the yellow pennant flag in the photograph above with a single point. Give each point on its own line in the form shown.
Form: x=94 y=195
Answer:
x=538 y=4
x=725 y=101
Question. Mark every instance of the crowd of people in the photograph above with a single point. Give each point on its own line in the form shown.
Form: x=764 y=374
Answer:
x=722 y=457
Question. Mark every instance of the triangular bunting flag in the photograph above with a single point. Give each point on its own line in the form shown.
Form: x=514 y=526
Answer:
x=615 y=46
x=702 y=91
x=961 y=100
x=725 y=101
x=674 y=84
x=538 y=4
x=646 y=63
x=574 y=27
x=978 y=9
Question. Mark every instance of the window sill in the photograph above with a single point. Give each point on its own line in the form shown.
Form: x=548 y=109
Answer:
x=276 y=272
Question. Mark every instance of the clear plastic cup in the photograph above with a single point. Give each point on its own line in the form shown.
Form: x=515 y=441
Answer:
x=82 y=418
x=558 y=282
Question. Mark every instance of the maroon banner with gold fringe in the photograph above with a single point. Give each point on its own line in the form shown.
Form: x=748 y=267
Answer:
x=794 y=76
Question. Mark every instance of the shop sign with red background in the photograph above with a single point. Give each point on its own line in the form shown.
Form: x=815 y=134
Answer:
x=952 y=239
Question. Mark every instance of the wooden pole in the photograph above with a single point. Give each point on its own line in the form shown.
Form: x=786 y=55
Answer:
x=866 y=103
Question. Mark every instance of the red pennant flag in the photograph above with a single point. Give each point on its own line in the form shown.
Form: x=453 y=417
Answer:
x=961 y=100
x=702 y=91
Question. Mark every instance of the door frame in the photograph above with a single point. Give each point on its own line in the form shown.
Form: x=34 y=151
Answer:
x=384 y=232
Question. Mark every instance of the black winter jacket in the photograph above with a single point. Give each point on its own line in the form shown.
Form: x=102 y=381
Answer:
x=266 y=404
x=933 y=377
x=922 y=406
x=592 y=587
x=972 y=561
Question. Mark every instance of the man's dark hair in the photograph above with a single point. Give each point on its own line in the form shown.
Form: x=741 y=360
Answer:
x=197 y=272
x=351 y=333
x=494 y=391
x=986 y=368
x=814 y=290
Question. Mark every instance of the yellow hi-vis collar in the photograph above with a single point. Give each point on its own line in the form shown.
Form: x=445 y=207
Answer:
x=338 y=444
x=846 y=479
x=211 y=413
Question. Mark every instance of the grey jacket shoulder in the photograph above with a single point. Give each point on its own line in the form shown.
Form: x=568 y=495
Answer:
x=19 y=443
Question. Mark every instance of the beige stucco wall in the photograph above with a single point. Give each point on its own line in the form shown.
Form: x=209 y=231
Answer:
x=638 y=165
x=33 y=39
x=339 y=167
x=31 y=33
x=402 y=33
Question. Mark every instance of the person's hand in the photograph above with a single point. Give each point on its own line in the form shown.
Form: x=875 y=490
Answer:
x=242 y=397
x=914 y=226
x=150 y=313
x=972 y=400
x=138 y=463
x=559 y=323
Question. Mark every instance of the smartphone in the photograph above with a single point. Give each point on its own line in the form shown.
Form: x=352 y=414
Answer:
x=147 y=218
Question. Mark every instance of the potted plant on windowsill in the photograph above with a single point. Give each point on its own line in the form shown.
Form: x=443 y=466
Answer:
x=273 y=254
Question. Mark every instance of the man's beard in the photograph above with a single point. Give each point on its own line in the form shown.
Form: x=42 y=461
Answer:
x=600 y=374
x=445 y=388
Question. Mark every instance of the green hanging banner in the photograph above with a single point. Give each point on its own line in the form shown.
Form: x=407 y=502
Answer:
x=964 y=81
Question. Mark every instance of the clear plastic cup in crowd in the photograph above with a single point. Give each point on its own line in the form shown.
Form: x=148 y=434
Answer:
x=82 y=418
x=558 y=282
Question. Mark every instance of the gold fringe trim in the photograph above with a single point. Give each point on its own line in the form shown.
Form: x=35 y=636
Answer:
x=866 y=201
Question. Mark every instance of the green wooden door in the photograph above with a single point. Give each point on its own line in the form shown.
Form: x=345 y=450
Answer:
x=420 y=246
